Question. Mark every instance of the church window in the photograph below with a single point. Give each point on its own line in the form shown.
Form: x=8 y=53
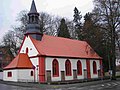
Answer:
x=31 y=73
x=9 y=74
x=68 y=68
x=55 y=68
x=27 y=50
x=94 y=68
x=79 y=68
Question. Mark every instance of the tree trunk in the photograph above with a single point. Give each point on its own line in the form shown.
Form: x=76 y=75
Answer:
x=113 y=55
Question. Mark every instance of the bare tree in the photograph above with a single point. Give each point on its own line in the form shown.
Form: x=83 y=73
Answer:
x=108 y=12
x=10 y=41
x=49 y=24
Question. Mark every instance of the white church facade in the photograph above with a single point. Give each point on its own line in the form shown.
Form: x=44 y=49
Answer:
x=43 y=58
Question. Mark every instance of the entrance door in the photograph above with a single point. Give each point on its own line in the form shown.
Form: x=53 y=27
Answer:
x=88 y=69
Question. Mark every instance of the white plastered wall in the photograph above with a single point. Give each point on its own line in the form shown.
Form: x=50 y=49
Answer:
x=48 y=66
x=35 y=62
x=23 y=75
x=14 y=75
x=32 y=51
x=62 y=67
x=91 y=68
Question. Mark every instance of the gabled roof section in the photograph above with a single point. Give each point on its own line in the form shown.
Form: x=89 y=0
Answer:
x=63 y=47
x=33 y=8
x=21 y=61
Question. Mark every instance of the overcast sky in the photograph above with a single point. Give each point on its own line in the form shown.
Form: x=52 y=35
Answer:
x=9 y=9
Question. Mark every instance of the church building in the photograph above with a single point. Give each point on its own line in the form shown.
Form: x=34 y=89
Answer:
x=43 y=58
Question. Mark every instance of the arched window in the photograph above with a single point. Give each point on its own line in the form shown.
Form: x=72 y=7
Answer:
x=31 y=73
x=55 y=68
x=94 y=68
x=79 y=68
x=27 y=50
x=68 y=68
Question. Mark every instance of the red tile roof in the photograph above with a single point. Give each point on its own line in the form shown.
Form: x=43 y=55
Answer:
x=21 y=61
x=63 y=47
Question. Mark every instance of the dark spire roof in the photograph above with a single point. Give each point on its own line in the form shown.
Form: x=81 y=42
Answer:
x=33 y=8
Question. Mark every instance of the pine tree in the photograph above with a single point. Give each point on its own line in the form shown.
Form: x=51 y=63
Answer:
x=63 y=29
x=77 y=21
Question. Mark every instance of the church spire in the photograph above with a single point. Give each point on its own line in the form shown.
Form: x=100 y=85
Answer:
x=33 y=27
x=33 y=8
x=33 y=14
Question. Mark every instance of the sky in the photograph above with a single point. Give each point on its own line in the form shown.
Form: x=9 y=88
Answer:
x=9 y=10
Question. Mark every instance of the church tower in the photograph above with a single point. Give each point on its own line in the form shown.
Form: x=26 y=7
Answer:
x=33 y=27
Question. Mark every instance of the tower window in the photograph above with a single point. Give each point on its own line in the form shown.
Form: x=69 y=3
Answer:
x=36 y=19
x=32 y=18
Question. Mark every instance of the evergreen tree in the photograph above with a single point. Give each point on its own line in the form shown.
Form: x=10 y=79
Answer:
x=77 y=21
x=96 y=37
x=63 y=29
x=88 y=28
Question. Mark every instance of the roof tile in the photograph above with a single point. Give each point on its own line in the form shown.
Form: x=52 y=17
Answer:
x=63 y=47
x=20 y=61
